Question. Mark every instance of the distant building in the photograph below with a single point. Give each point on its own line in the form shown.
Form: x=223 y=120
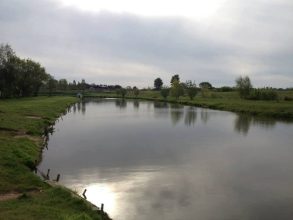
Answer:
x=79 y=95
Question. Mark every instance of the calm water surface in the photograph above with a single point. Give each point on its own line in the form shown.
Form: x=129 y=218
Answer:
x=148 y=160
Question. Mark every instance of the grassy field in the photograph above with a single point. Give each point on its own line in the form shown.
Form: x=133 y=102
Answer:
x=228 y=101
x=22 y=122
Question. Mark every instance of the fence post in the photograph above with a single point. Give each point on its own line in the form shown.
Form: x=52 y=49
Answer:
x=83 y=194
x=58 y=178
x=102 y=207
x=48 y=173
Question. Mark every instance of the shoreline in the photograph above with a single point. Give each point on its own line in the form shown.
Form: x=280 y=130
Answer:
x=222 y=105
x=29 y=195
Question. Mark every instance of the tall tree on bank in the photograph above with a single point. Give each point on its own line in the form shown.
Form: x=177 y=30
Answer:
x=205 y=85
x=7 y=76
x=135 y=91
x=243 y=86
x=19 y=77
x=51 y=84
x=205 y=89
x=177 y=89
x=175 y=78
x=62 y=84
x=191 y=89
x=158 y=83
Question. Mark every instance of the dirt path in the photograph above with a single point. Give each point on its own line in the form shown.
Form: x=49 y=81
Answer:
x=15 y=195
x=8 y=196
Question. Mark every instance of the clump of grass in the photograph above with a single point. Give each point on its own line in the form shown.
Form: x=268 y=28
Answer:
x=53 y=203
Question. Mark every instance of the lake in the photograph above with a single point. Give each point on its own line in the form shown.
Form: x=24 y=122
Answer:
x=153 y=160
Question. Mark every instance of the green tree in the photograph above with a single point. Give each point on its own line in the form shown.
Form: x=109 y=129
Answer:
x=9 y=75
x=7 y=70
x=122 y=92
x=135 y=91
x=205 y=85
x=74 y=83
x=191 y=89
x=177 y=89
x=31 y=77
x=205 y=88
x=175 y=78
x=83 y=85
x=6 y=53
x=19 y=77
x=62 y=84
x=165 y=92
x=51 y=84
x=158 y=83
x=243 y=86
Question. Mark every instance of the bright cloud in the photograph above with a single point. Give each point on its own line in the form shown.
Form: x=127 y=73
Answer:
x=197 y=9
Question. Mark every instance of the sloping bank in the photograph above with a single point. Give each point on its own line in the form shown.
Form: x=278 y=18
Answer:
x=23 y=195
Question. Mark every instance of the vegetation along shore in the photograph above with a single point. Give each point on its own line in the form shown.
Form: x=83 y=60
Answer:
x=23 y=195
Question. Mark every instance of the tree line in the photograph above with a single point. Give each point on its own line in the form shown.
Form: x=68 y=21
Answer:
x=25 y=77
x=19 y=77
x=189 y=88
x=178 y=88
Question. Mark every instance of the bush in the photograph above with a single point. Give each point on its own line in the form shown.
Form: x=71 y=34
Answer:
x=244 y=86
x=225 y=89
x=287 y=98
x=263 y=94
x=165 y=92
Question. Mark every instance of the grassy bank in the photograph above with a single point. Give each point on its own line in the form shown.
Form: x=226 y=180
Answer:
x=22 y=122
x=228 y=101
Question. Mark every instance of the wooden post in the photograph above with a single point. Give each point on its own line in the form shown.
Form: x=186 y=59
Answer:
x=83 y=194
x=36 y=163
x=58 y=178
x=102 y=207
x=48 y=173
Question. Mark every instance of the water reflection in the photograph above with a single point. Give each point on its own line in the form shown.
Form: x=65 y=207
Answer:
x=176 y=112
x=101 y=193
x=204 y=115
x=83 y=108
x=74 y=108
x=243 y=122
x=142 y=167
x=136 y=104
x=121 y=103
x=78 y=105
x=161 y=105
x=190 y=116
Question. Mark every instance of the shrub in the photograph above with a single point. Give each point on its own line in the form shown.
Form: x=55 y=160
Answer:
x=287 y=98
x=263 y=94
x=165 y=92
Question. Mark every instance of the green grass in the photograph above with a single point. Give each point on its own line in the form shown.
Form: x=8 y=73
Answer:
x=54 y=203
x=22 y=122
x=16 y=157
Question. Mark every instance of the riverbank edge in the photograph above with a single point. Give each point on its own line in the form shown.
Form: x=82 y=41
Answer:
x=52 y=184
x=222 y=106
x=55 y=184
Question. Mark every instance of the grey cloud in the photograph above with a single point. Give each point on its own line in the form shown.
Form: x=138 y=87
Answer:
x=103 y=47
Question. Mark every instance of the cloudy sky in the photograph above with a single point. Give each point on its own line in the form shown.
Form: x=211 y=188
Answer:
x=132 y=42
